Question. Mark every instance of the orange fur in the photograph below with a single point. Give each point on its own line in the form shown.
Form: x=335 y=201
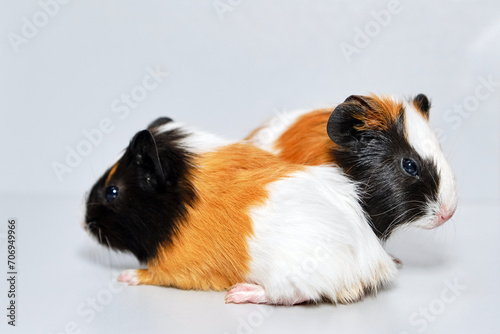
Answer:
x=253 y=133
x=382 y=112
x=209 y=250
x=306 y=141
x=111 y=172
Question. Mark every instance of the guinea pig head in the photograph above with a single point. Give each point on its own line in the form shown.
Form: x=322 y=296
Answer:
x=136 y=204
x=389 y=148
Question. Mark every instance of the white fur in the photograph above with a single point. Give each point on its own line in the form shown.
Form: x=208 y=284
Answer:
x=425 y=142
x=197 y=141
x=273 y=128
x=311 y=239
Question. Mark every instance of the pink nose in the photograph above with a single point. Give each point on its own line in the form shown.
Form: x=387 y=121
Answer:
x=445 y=215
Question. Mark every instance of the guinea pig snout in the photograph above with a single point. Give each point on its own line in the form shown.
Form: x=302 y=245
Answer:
x=83 y=225
x=89 y=225
x=444 y=215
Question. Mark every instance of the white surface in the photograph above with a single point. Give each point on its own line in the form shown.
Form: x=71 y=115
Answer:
x=62 y=270
x=227 y=76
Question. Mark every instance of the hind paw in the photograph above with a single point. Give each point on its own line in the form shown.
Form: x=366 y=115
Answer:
x=351 y=294
x=243 y=293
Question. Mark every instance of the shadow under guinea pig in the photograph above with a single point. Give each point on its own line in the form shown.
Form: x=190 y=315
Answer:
x=104 y=257
x=420 y=249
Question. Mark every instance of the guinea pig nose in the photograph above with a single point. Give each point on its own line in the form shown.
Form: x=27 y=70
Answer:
x=444 y=215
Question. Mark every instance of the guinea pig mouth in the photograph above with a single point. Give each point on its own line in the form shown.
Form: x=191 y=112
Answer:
x=94 y=230
x=91 y=227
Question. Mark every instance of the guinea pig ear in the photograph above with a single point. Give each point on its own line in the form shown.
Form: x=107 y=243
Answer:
x=422 y=103
x=144 y=153
x=345 y=126
x=159 y=122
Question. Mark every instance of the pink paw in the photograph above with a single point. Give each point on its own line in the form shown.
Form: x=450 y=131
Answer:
x=129 y=276
x=243 y=293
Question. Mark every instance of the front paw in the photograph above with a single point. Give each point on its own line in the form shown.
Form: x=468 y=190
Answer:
x=130 y=277
x=398 y=262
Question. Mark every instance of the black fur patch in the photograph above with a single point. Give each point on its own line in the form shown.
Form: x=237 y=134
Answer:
x=423 y=104
x=373 y=158
x=154 y=191
x=159 y=122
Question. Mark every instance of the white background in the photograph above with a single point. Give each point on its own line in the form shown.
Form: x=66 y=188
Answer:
x=227 y=73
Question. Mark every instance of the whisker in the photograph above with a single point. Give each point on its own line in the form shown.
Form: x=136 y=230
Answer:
x=397 y=206
x=396 y=220
x=107 y=242
x=109 y=252
x=411 y=220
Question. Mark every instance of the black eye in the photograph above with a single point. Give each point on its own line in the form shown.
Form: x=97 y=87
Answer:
x=410 y=167
x=111 y=193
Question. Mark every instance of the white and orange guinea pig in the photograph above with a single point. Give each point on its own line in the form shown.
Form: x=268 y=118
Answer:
x=204 y=213
x=386 y=145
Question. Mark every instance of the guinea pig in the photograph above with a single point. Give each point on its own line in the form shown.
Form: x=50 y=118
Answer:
x=203 y=213
x=384 y=144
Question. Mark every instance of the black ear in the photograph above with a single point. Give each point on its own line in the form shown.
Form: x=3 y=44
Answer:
x=159 y=122
x=144 y=154
x=423 y=104
x=347 y=120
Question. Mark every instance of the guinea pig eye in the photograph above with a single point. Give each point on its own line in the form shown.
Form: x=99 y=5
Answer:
x=111 y=193
x=410 y=167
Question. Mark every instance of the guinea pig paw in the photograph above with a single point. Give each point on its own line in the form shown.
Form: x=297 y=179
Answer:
x=351 y=294
x=129 y=277
x=243 y=293
x=398 y=262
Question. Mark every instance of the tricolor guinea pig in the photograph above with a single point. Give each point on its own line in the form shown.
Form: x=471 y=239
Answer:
x=206 y=214
x=384 y=144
